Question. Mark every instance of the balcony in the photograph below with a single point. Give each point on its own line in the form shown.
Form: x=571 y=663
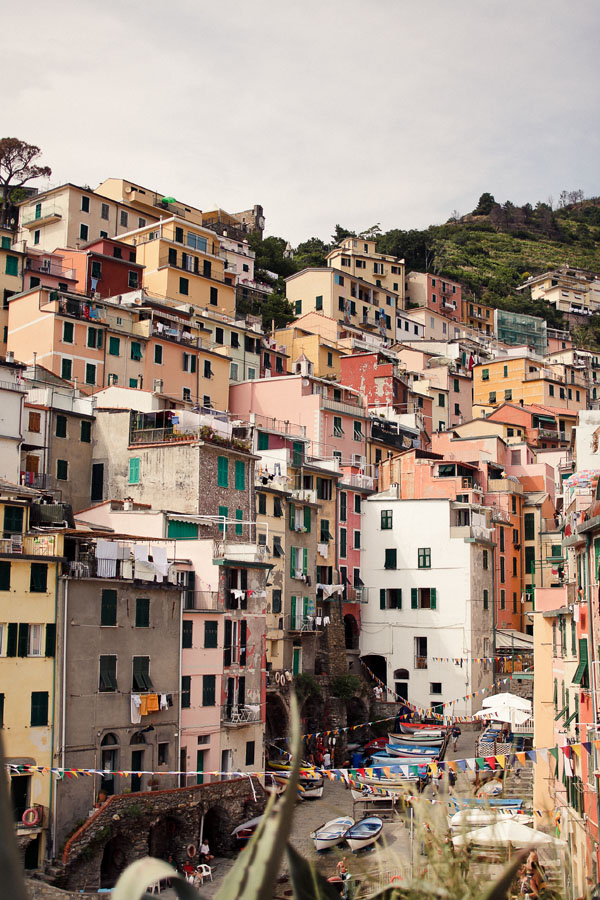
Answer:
x=355 y=595
x=48 y=267
x=165 y=262
x=351 y=409
x=391 y=434
x=240 y=715
x=202 y=601
x=472 y=533
x=365 y=482
x=301 y=623
x=420 y=662
x=304 y=496
x=241 y=552
x=34 y=480
x=35 y=218
x=12 y=386
x=115 y=569
x=32 y=545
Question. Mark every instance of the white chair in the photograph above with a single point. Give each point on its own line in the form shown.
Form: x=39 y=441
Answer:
x=154 y=888
x=204 y=871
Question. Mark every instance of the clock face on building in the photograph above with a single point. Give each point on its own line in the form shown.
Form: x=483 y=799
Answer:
x=261 y=221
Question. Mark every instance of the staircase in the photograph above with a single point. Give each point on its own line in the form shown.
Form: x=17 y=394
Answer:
x=521 y=785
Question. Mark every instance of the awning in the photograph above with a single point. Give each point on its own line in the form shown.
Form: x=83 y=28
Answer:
x=519 y=640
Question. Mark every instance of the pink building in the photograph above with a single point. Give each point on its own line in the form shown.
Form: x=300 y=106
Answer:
x=45 y=269
x=438 y=294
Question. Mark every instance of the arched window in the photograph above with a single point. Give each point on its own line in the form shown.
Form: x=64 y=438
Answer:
x=109 y=739
x=401 y=674
x=137 y=738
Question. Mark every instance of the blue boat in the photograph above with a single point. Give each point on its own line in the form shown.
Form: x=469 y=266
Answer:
x=400 y=760
x=364 y=833
x=398 y=750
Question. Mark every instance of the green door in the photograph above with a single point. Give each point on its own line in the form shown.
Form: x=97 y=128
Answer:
x=297 y=653
x=200 y=766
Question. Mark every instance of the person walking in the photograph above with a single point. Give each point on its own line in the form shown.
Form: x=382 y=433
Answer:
x=456 y=732
x=327 y=760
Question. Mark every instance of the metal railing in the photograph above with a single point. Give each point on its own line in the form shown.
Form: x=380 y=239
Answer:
x=47 y=267
x=351 y=409
x=47 y=211
x=420 y=662
x=35 y=480
x=12 y=386
x=30 y=545
x=208 y=601
x=240 y=715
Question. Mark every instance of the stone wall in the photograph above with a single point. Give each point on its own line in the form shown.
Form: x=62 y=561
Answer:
x=39 y=890
x=159 y=823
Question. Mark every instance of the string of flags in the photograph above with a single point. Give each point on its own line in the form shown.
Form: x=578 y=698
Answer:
x=431 y=711
x=499 y=761
x=480 y=659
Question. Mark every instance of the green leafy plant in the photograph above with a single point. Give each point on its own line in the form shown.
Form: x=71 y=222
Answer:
x=346 y=686
x=306 y=685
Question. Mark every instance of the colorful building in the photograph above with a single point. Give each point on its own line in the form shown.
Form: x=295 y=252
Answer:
x=435 y=293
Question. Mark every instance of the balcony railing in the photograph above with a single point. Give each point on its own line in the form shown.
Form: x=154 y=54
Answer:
x=35 y=480
x=352 y=409
x=301 y=623
x=203 y=601
x=12 y=386
x=31 y=545
x=47 y=267
x=115 y=569
x=360 y=481
x=164 y=261
x=242 y=551
x=240 y=715
x=420 y=662
x=30 y=217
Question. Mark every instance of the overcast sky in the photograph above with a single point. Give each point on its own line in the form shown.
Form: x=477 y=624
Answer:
x=323 y=111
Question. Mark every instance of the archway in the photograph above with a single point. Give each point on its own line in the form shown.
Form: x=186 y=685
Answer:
x=377 y=665
x=276 y=718
x=114 y=860
x=162 y=837
x=109 y=746
x=356 y=712
x=217 y=829
x=351 y=632
x=401 y=683
x=312 y=714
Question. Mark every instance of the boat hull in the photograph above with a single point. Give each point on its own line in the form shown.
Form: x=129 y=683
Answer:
x=401 y=750
x=364 y=833
x=331 y=833
x=420 y=729
x=415 y=740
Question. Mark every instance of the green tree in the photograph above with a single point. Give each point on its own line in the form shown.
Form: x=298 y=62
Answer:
x=17 y=167
x=276 y=309
x=485 y=205
x=339 y=234
x=311 y=253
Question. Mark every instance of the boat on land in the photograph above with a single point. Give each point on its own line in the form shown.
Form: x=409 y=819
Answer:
x=245 y=831
x=411 y=750
x=379 y=760
x=479 y=818
x=395 y=781
x=416 y=739
x=418 y=728
x=331 y=833
x=310 y=783
x=364 y=833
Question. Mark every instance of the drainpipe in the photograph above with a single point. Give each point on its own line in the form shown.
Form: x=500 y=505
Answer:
x=52 y=827
x=64 y=678
x=181 y=605
x=494 y=613
x=593 y=686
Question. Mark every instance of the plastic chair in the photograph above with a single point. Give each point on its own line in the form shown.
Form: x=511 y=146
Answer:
x=154 y=888
x=204 y=871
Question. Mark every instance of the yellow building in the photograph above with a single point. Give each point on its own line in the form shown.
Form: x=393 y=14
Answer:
x=29 y=569
x=11 y=280
x=478 y=316
x=348 y=299
x=150 y=204
x=525 y=378
x=183 y=262
x=324 y=353
x=357 y=256
x=575 y=291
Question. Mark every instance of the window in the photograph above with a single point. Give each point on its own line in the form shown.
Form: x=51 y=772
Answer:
x=277 y=548
x=39 y=708
x=61 y=426
x=456 y=385
x=502 y=570
x=390 y=598
x=141 y=674
x=298 y=307
x=133 y=383
x=186 y=691
x=357 y=504
x=324 y=488
x=123 y=219
x=485 y=599
x=158 y=354
x=514 y=565
x=485 y=374
x=357 y=540
x=319 y=302
x=223 y=514
x=85 y=434
x=136 y=351
x=423 y=598
x=424 y=557
x=208 y=690
x=4 y=581
x=249 y=753
x=551 y=390
x=83 y=232
x=90 y=374
x=529 y=560
x=67 y=333
x=38 y=579
x=485 y=559
x=386 y=519
x=62 y=469
x=187 y=632
x=108 y=607
x=239 y=514
x=132 y=279
x=503 y=600
x=262 y=504
x=222 y=471
x=114 y=346
x=343 y=506
x=435 y=687
x=184 y=286
x=358 y=434
x=277 y=508
x=13 y=520
x=501 y=531
x=142 y=612
x=107 y=681
x=104 y=211
x=34 y=640
x=529 y=526
x=211 y=629
x=233 y=372
x=214 y=293
x=235 y=339
x=186 y=394
x=94 y=338
x=508 y=395
x=96 y=269
x=189 y=362
x=134 y=470
x=343 y=550
x=390 y=558
x=505 y=371
x=163 y=747
x=325 y=534
x=240 y=475
x=338 y=431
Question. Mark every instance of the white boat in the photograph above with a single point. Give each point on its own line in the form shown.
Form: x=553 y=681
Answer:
x=393 y=784
x=411 y=751
x=430 y=731
x=331 y=833
x=245 y=831
x=478 y=818
x=415 y=739
x=363 y=833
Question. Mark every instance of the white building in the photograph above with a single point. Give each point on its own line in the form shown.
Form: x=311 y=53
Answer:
x=12 y=393
x=428 y=567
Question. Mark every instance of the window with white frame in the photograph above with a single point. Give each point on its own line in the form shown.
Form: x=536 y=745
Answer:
x=34 y=643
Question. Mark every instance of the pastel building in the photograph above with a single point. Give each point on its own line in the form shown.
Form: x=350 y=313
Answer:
x=435 y=293
x=11 y=279
x=357 y=256
x=524 y=377
x=104 y=267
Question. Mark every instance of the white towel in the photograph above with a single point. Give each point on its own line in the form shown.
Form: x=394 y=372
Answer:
x=140 y=552
x=323 y=550
x=144 y=570
x=107 y=549
x=106 y=568
x=163 y=701
x=136 y=702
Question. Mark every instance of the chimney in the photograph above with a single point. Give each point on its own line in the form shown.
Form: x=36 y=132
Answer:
x=10 y=356
x=128 y=503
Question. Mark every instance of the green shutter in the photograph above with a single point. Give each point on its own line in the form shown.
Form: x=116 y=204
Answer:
x=208 y=690
x=222 y=471
x=414 y=598
x=38 y=581
x=182 y=530
x=529 y=526
x=142 y=612
x=187 y=634
x=108 y=609
x=50 y=639
x=239 y=514
x=292 y=512
x=23 y=639
x=305 y=561
x=240 y=475
x=297 y=453
x=433 y=598
x=39 y=707
x=134 y=470
x=186 y=691
x=12 y=638
x=114 y=345
x=223 y=511
x=263 y=441
x=293 y=608
x=210 y=634
x=292 y=561
x=307 y=517
x=382 y=604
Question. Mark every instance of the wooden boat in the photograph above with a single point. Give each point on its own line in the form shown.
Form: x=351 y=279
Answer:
x=310 y=784
x=245 y=831
x=380 y=760
x=416 y=739
x=331 y=833
x=410 y=750
x=416 y=728
x=478 y=818
x=374 y=745
x=363 y=833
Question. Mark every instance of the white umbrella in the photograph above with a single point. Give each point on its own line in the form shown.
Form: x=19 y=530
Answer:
x=478 y=818
x=504 y=714
x=510 y=700
x=507 y=832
